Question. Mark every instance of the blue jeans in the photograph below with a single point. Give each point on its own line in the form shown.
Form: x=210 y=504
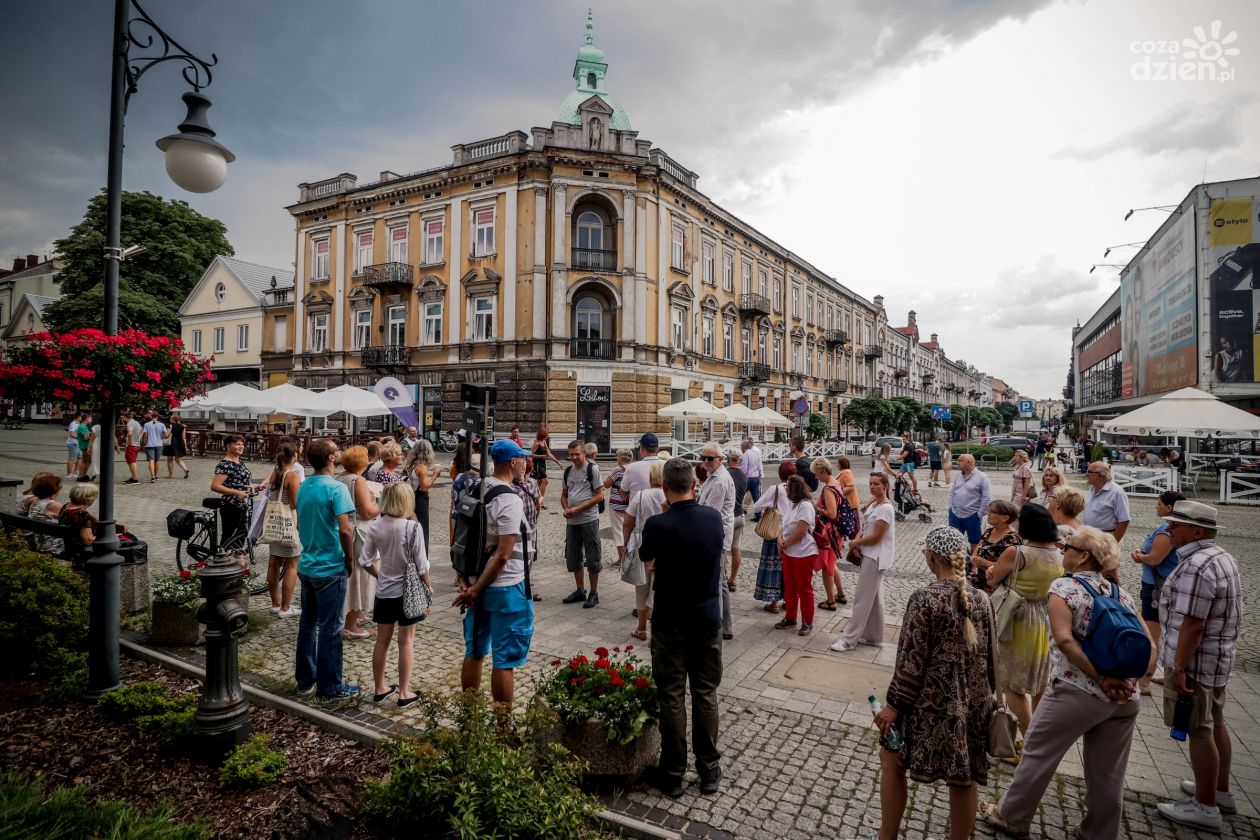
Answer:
x=319 y=633
x=754 y=487
x=969 y=525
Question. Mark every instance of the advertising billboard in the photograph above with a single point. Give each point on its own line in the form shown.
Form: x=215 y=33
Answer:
x=1234 y=248
x=1157 y=314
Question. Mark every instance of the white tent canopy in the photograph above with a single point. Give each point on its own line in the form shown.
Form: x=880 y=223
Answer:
x=228 y=398
x=769 y=417
x=1189 y=412
x=282 y=399
x=742 y=414
x=355 y=401
x=697 y=409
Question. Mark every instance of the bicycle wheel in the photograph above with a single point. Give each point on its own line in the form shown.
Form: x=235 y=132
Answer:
x=255 y=580
x=193 y=552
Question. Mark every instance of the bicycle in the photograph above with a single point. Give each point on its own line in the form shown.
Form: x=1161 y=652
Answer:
x=197 y=533
x=447 y=442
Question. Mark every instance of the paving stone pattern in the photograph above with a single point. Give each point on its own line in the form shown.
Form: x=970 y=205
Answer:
x=797 y=762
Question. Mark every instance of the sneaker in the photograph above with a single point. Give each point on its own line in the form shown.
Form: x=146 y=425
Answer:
x=305 y=692
x=592 y=600
x=574 y=596
x=1192 y=813
x=806 y=627
x=785 y=623
x=131 y=481
x=709 y=786
x=153 y=480
x=341 y=692
x=841 y=646
x=274 y=610
x=291 y=612
x=1224 y=799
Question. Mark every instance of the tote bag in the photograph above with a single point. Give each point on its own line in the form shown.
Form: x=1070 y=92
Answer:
x=1002 y=723
x=416 y=598
x=1007 y=603
x=771 y=522
x=279 y=526
x=633 y=571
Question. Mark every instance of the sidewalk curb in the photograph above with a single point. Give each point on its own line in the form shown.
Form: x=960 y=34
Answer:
x=619 y=823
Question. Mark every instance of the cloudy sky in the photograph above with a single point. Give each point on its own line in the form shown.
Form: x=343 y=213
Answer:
x=966 y=159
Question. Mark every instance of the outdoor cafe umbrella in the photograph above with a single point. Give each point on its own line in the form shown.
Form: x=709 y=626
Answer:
x=228 y=398
x=742 y=414
x=769 y=417
x=696 y=409
x=354 y=401
x=282 y=399
x=1188 y=412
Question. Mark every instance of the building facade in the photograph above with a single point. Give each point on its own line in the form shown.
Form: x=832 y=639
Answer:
x=37 y=282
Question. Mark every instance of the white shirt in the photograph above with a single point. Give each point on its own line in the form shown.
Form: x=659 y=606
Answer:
x=70 y=432
x=642 y=507
x=638 y=476
x=882 y=551
x=750 y=463
x=802 y=511
x=135 y=432
x=505 y=516
x=718 y=492
x=776 y=498
x=388 y=536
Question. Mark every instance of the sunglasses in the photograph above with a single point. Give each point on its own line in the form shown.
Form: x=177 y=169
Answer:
x=710 y=457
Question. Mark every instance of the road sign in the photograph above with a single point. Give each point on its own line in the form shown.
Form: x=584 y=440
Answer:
x=1026 y=408
x=941 y=412
x=800 y=406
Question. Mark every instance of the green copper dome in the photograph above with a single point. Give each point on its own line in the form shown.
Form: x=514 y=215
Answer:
x=588 y=73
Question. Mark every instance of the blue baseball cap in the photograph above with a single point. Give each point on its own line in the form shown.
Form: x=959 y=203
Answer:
x=649 y=441
x=505 y=450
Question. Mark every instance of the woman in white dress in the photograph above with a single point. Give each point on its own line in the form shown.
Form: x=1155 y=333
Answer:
x=873 y=551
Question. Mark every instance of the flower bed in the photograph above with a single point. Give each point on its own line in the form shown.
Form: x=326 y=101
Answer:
x=615 y=688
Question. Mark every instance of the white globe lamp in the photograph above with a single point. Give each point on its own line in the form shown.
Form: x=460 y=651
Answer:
x=195 y=161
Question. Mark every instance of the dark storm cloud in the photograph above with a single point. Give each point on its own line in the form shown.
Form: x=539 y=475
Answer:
x=306 y=90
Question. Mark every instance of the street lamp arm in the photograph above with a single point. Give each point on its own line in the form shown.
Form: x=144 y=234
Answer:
x=142 y=32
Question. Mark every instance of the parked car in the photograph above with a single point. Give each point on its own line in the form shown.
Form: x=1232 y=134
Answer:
x=1013 y=442
x=895 y=445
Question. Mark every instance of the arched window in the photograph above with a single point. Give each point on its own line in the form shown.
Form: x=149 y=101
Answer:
x=590 y=230
x=590 y=80
x=592 y=327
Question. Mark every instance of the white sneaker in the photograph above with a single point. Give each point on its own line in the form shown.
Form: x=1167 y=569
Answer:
x=1224 y=799
x=274 y=610
x=291 y=612
x=841 y=646
x=1192 y=813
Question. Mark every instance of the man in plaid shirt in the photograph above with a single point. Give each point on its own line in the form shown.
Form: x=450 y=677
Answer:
x=1200 y=611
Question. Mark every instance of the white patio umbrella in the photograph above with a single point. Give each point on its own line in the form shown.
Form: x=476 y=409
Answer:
x=697 y=409
x=738 y=413
x=769 y=417
x=1189 y=412
x=230 y=397
x=355 y=401
x=282 y=399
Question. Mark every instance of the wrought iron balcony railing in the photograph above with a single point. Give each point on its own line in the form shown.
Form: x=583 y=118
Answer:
x=590 y=348
x=750 y=372
x=387 y=356
x=390 y=275
x=837 y=386
x=591 y=259
x=753 y=305
x=873 y=351
x=836 y=337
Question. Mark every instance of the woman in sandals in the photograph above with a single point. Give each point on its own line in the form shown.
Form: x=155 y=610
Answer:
x=828 y=508
x=644 y=505
x=941 y=694
x=1080 y=704
x=393 y=542
x=770 y=568
x=284 y=486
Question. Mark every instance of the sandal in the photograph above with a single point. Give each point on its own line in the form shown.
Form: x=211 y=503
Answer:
x=771 y=608
x=989 y=813
x=641 y=635
x=841 y=599
x=828 y=605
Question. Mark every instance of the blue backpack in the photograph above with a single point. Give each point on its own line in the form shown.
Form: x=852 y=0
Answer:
x=1115 y=641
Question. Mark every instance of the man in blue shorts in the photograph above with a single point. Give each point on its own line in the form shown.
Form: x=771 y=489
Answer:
x=500 y=617
x=909 y=460
x=969 y=499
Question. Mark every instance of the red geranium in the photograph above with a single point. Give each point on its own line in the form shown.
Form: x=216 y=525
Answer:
x=579 y=690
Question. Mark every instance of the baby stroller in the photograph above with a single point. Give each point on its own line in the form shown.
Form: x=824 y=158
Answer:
x=907 y=500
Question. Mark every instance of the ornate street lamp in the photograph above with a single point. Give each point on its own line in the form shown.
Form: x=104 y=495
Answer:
x=195 y=162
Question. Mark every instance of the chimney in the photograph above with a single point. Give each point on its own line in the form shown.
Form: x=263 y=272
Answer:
x=19 y=264
x=933 y=338
x=879 y=300
x=910 y=323
x=32 y=260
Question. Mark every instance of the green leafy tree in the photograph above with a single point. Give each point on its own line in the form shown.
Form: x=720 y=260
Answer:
x=987 y=418
x=870 y=414
x=819 y=426
x=179 y=244
x=1008 y=412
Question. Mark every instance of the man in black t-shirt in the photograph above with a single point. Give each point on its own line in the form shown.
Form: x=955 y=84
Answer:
x=802 y=463
x=910 y=460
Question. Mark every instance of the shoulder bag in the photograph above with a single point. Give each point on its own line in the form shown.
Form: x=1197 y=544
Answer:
x=416 y=596
x=1002 y=723
x=771 y=522
x=1007 y=603
x=279 y=527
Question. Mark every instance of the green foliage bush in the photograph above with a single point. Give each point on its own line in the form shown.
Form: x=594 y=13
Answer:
x=156 y=711
x=253 y=764
x=1002 y=453
x=43 y=613
x=477 y=772
x=28 y=810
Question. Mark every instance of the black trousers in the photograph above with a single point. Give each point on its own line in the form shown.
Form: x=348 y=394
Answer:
x=234 y=524
x=677 y=659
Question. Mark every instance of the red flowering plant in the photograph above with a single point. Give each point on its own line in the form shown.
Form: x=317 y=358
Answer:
x=615 y=688
x=86 y=366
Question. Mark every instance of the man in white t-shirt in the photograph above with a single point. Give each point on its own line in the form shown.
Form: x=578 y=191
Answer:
x=154 y=436
x=133 y=438
x=639 y=474
x=500 y=620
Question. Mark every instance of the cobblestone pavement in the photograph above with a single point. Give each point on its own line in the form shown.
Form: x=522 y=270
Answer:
x=799 y=753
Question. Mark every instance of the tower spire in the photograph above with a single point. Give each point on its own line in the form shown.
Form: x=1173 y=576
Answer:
x=590 y=27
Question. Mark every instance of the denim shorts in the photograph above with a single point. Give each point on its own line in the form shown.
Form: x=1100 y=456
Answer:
x=501 y=623
x=72 y=451
x=968 y=525
x=153 y=453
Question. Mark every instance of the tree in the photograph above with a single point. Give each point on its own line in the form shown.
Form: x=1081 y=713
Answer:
x=179 y=244
x=870 y=414
x=1008 y=412
x=819 y=426
x=957 y=420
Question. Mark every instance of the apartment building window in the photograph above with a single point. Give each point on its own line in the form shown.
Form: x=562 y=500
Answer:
x=397 y=325
x=219 y=338
x=809 y=362
x=677 y=249
x=363 y=251
x=728 y=272
x=706 y=263
x=483 y=237
x=678 y=328
x=433 y=323
x=398 y=244
x=796 y=356
x=745 y=344
x=319 y=271
x=778 y=295
x=242 y=337
x=778 y=353
x=809 y=309
x=280 y=334
x=362 y=328
x=761 y=348
x=747 y=270
x=434 y=234
x=707 y=334
x=761 y=283
x=728 y=341
x=196 y=342
x=796 y=301
x=483 y=318
x=319 y=332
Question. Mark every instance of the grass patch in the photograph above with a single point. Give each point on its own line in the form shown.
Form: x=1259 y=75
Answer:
x=28 y=810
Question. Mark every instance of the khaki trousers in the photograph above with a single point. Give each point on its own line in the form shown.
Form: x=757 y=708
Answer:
x=867 y=621
x=1065 y=714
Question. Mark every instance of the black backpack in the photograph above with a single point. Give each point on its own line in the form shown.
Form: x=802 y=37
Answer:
x=590 y=479
x=805 y=472
x=468 y=549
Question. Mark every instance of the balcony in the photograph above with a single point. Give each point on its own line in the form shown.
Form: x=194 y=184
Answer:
x=753 y=372
x=388 y=277
x=590 y=259
x=873 y=351
x=590 y=348
x=901 y=373
x=837 y=386
x=928 y=379
x=835 y=338
x=387 y=357
x=753 y=306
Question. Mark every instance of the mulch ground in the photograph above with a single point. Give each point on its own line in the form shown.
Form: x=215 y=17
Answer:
x=66 y=744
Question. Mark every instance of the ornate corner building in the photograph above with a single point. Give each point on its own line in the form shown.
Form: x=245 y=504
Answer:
x=577 y=268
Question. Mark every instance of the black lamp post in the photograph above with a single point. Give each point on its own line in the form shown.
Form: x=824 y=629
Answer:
x=198 y=164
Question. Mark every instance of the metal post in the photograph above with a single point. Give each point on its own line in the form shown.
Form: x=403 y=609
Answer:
x=222 y=716
x=102 y=568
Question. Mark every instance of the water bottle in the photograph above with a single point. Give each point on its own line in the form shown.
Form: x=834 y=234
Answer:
x=893 y=739
x=1182 y=714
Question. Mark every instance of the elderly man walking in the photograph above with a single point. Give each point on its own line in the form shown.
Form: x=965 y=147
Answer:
x=750 y=463
x=718 y=492
x=685 y=543
x=1200 y=613
x=969 y=499
x=1106 y=505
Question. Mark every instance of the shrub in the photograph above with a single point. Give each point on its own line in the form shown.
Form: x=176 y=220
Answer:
x=616 y=690
x=43 y=613
x=183 y=589
x=1002 y=453
x=155 y=710
x=253 y=764
x=474 y=771
x=27 y=810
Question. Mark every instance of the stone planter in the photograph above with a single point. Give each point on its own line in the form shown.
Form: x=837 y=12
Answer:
x=174 y=624
x=589 y=741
